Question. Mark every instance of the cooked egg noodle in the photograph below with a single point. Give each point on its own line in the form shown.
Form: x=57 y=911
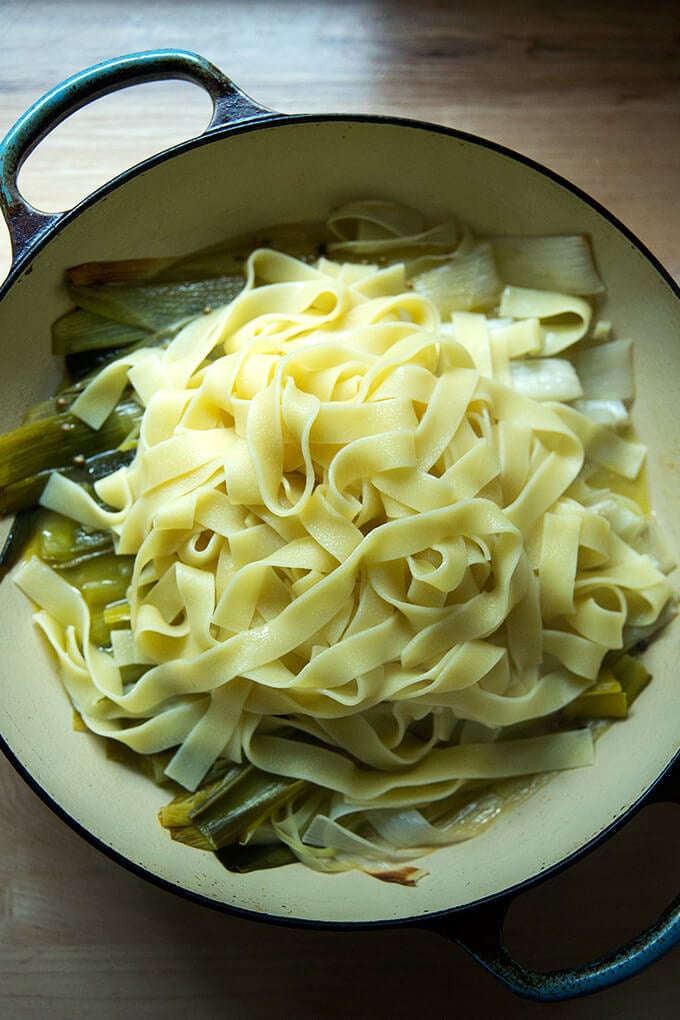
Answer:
x=362 y=560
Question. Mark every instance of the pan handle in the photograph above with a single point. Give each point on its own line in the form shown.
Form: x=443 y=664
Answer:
x=230 y=105
x=480 y=932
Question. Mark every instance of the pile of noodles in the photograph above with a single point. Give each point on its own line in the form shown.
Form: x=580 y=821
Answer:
x=362 y=557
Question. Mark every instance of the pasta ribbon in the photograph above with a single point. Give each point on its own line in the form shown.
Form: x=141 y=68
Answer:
x=361 y=556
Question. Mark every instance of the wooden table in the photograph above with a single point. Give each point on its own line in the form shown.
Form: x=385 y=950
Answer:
x=592 y=91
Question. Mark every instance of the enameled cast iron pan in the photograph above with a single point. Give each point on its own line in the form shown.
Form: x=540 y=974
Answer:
x=252 y=168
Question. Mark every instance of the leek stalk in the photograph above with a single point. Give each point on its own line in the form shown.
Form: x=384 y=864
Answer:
x=53 y=442
x=632 y=674
x=229 y=809
x=606 y=699
x=179 y=812
x=62 y=442
x=64 y=542
x=153 y=307
x=253 y=795
x=615 y=690
x=255 y=857
x=82 y=330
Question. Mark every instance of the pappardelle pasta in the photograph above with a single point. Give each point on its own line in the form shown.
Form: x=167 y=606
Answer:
x=384 y=544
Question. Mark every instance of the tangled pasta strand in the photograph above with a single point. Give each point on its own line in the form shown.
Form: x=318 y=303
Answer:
x=343 y=527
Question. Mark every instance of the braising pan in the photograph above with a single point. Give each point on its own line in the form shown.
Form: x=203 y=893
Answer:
x=251 y=168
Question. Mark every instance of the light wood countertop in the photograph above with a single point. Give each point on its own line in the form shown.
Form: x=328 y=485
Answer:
x=592 y=90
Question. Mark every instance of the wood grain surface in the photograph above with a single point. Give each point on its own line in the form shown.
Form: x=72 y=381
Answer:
x=591 y=90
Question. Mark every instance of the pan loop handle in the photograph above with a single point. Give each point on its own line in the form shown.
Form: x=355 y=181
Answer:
x=480 y=932
x=230 y=106
x=482 y=937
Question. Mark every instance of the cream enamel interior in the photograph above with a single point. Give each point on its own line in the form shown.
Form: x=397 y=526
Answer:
x=297 y=170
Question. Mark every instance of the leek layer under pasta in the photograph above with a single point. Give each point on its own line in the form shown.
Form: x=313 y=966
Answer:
x=375 y=574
